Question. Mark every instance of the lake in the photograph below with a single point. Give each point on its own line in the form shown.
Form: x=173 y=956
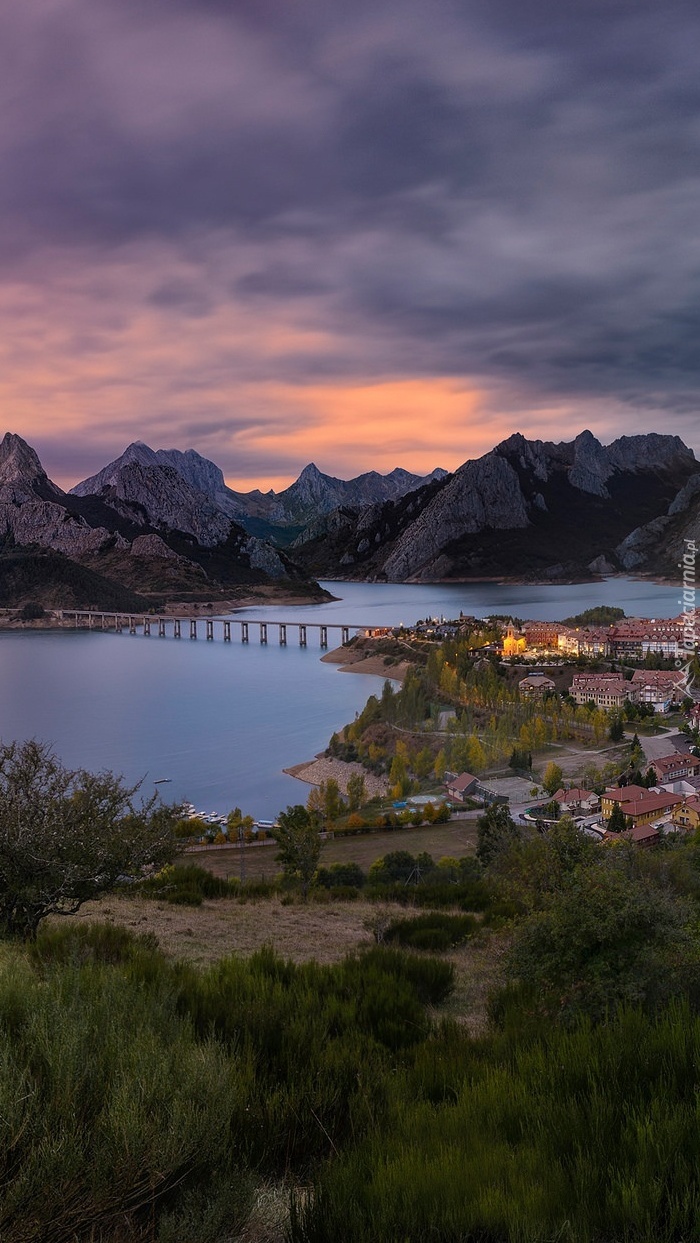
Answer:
x=220 y=721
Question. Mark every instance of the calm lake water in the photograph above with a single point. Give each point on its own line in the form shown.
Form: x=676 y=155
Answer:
x=222 y=720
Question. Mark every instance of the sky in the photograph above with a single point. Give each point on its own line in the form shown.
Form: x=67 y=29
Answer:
x=367 y=234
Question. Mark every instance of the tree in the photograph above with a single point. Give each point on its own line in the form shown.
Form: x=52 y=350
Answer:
x=617 y=730
x=496 y=831
x=440 y=765
x=67 y=836
x=332 y=802
x=605 y=936
x=298 y=836
x=356 y=791
x=552 y=777
x=618 y=821
x=238 y=825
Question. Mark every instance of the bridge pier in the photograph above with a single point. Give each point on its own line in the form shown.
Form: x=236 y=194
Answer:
x=302 y=636
x=263 y=632
x=283 y=634
x=132 y=626
x=244 y=632
x=146 y=625
x=161 y=627
x=210 y=628
x=324 y=636
x=193 y=627
x=346 y=634
x=177 y=631
x=227 y=632
x=118 y=624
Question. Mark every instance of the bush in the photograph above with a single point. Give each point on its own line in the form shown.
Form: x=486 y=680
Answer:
x=436 y=932
x=340 y=874
x=583 y=1135
x=187 y=885
x=32 y=612
x=467 y=896
x=254 y=890
x=90 y=943
x=115 y=1117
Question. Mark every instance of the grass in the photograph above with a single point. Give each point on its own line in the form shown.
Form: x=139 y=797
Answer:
x=325 y=933
x=457 y=838
x=207 y=933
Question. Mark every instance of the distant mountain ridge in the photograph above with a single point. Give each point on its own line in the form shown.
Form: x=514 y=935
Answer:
x=528 y=508
x=313 y=493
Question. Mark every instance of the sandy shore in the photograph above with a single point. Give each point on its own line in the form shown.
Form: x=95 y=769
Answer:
x=352 y=660
x=313 y=772
x=321 y=768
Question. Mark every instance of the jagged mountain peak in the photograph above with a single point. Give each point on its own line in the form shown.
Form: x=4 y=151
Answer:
x=136 y=452
x=17 y=458
x=655 y=450
x=21 y=470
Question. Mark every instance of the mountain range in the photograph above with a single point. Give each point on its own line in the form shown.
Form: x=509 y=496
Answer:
x=281 y=515
x=157 y=525
x=528 y=509
x=149 y=536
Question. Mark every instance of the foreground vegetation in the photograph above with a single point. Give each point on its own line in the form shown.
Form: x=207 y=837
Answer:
x=144 y=1099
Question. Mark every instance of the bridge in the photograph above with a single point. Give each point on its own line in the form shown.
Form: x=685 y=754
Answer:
x=162 y=624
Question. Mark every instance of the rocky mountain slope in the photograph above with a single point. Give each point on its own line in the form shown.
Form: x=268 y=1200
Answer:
x=526 y=509
x=659 y=545
x=147 y=534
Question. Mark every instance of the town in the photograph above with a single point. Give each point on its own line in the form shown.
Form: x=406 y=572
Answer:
x=633 y=674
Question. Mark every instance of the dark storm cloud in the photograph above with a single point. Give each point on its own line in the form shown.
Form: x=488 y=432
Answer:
x=502 y=189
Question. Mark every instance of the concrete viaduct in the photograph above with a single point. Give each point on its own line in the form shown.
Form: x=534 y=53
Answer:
x=159 y=624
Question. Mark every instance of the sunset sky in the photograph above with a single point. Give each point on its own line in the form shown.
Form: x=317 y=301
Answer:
x=369 y=233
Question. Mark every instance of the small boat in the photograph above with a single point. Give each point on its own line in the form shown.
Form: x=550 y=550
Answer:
x=160 y=781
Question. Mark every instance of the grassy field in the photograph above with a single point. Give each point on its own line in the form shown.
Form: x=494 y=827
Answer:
x=325 y=932
x=457 y=838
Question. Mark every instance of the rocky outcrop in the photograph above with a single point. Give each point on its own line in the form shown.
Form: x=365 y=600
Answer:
x=484 y=493
x=153 y=546
x=657 y=546
x=22 y=477
x=264 y=557
x=652 y=452
x=157 y=496
x=316 y=494
x=33 y=510
x=51 y=526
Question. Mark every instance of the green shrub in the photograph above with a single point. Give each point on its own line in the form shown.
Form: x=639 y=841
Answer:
x=581 y=1135
x=340 y=874
x=436 y=931
x=112 y=1113
x=254 y=890
x=468 y=896
x=90 y=943
x=433 y=981
x=187 y=884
